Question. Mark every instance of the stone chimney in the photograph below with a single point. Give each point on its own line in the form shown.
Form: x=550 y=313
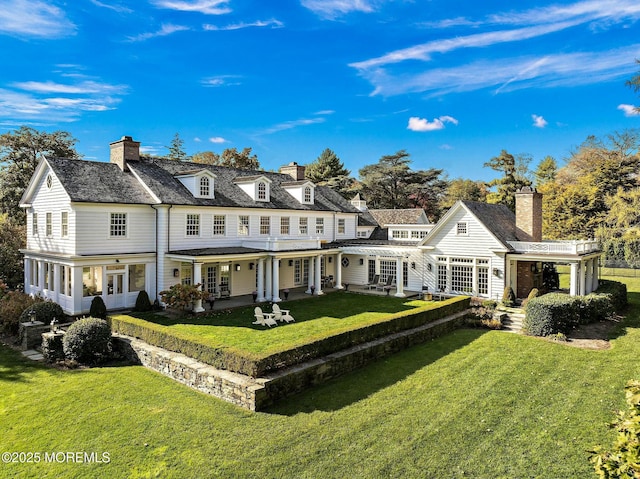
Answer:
x=294 y=170
x=529 y=214
x=124 y=150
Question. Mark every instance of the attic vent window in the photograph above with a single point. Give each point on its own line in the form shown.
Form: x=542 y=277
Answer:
x=461 y=228
x=49 y=181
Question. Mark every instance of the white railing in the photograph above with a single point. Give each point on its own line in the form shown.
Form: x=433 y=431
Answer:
x=556 y=247
x=276 y=244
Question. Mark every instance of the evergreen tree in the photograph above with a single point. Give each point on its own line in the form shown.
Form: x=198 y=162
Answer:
x=230 y=157
x=176 y=149
x=546 y=171
x=512 y=180
x=325 y=167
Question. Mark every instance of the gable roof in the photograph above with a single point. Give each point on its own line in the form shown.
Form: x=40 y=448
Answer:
x=498 y=220
x=406 y=216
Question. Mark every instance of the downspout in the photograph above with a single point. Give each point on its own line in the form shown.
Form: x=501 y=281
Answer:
x=156 y=249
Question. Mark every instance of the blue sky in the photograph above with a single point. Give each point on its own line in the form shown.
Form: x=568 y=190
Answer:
x=453 y=83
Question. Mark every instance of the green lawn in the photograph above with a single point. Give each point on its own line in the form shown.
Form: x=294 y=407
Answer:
x=471 y=404
x=315 y=318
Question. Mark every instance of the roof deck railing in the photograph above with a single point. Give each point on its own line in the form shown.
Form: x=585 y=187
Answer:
x=574 y=247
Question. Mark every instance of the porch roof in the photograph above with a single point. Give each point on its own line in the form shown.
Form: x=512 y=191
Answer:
x=242 y=253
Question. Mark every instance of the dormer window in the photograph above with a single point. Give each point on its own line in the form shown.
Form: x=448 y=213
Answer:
x=204 y=186
x=307 y=194
x=262 y=191
x=303 y=191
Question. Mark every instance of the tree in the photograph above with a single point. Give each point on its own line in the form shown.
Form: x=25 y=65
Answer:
x=176 y=149
x=634 y=83
x=20 y=152
x=388 y=183
x=461 y=189
x=328 y=170
x=230 y=157
x=514 y=177
x=546 y=171
x=12 y=239
x=429 y=190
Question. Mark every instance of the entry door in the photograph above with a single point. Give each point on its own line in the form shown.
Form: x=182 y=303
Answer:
x=115 y=290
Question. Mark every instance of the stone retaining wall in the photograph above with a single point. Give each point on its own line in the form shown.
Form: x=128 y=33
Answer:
x=256 y=394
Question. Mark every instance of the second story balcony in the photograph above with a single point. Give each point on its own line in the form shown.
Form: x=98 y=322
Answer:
x=572 y=247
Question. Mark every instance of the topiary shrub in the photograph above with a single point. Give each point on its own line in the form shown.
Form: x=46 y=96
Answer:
x=44 y=311
x=508 y=297
x=12 y=305
x=142 y=302
x=623 y=460
x=87 y=341
x=98 y=309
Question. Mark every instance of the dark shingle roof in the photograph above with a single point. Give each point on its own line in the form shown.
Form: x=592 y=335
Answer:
x=407 y=216
x=366 y=219
x=498 y=219
x=95 y=182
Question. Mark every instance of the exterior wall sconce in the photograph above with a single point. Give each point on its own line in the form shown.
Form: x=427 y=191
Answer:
x=237 y=267
x=429 y=267
x=496 y=272
x=361 y=261
x=290 y=262
x=413 y=265
x=176 y=273
x=251 y=265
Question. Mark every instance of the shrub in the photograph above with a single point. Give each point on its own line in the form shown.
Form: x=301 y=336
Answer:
x=87 y=341
x=182 y=295
x=11 y=307
x=623 y=460
x=142 y=302
x=617 y=292
x=490 y=304
x=550 y=314
x=44 y=311
x=98 y=309
x=508 y=296
x=534 y=293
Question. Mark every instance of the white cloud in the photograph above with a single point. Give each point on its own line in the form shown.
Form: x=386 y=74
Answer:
x=221 y=80
x=325 y=112
x=273 y=23
x=115 y=8
x=629 y=110
x=29 y=18
x=217 y=139
x=166 y=29
x=331 y=9
x=207 y=7
x=288 y=125
x=538 y=121
x=422 y=124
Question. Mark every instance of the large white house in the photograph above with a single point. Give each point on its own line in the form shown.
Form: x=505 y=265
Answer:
x=115 y=229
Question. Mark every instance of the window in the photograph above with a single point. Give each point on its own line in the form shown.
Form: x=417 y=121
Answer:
x=48 y=269
x=461 y=278
x=243 y=226
x=34 y=226
x=307 y=194
x=48 y=226
x=341 y=226
x=65 y=280
x=185 y=276
x=64 y=224
x=418 y=234
x=372 y=270
x=49 y=181
x=92 y=281
x=265 y=225
x=118 y=225
x=284 y=225
x=441 y=284
x=204 y=186
x=262 y=191
x=193 y=225
x=219 y=226
x=303 y=226
x=136 y=277
x=212 y=279
x=34 y=272
x=461 y=228
x=387 y=268
x=319 y=226
x=400 y=234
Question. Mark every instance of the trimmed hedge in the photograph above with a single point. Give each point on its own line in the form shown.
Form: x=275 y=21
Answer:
x=559 y=313
x=252 y=365
x=87 y=341
x=45 y=311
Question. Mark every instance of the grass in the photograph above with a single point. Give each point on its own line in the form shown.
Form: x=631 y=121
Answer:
x=315 y=318
x=471 y=404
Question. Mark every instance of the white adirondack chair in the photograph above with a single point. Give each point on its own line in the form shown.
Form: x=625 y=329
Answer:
x=264 y=319
x=282 y=314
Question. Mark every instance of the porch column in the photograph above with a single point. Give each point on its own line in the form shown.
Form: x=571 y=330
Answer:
x=162 y=243
x=399 y=279
x=268 y=277
x=260 y=273
x=276 y=281
x=56 y=282
x=588 y=285
x=197 y=279
x=76 y=290
x=339 y=271
x=573 y=284
x=41 y=275
x=377 y=266
x=311 y=275
x=583 y=279
x=318 y=281
x=594 y=277
x=27 y=275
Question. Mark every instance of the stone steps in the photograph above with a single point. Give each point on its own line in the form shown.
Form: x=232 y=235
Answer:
x=513 y=321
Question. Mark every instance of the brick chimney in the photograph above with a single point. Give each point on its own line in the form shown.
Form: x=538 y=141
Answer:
x=294 y=170
x=124 y=150
x=529 y=214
